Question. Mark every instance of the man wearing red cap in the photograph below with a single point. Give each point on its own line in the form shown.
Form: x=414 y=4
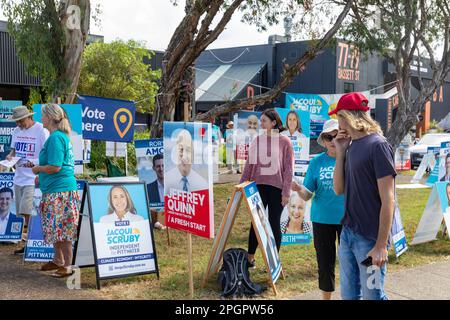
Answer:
x=364 y=173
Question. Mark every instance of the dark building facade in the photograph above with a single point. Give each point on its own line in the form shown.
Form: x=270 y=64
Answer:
x=232 y=73
x=15 y=83
x=340 y=68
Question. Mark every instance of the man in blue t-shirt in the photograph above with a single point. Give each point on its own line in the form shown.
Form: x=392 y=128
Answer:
x=364 y=173
x=327 y=208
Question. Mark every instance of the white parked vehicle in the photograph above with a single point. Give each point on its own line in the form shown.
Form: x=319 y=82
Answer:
x=421 y=147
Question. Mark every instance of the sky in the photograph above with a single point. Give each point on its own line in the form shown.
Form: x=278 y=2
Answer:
x=154 y=21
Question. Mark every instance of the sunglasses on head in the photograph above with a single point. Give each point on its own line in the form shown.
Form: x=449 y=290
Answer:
x=329 y=137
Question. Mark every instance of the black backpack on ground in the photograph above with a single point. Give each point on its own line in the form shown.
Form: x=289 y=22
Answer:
x=234 y=277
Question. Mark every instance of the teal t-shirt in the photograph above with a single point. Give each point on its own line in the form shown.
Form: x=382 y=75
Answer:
x=58 y=152
x=327 y=207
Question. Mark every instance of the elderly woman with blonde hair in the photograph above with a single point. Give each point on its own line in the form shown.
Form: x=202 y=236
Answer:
x=60 y=199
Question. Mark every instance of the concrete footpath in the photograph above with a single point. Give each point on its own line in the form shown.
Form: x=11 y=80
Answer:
x=24 y=281
x=429 y=282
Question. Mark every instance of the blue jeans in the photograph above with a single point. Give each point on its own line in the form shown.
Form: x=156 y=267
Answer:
x=358 y=281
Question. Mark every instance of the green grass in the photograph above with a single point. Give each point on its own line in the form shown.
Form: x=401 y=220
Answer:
x=299 y=262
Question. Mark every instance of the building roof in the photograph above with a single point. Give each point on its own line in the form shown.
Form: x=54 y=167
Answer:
x=224 y=82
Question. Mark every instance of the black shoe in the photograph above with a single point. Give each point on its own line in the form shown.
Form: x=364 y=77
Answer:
x=19 y=252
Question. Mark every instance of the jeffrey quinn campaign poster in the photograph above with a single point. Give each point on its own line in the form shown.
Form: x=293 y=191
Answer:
x=188 y=172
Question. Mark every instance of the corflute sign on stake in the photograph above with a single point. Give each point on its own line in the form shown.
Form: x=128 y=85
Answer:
x=188 y=190
x=107 y=119
x=11 y=226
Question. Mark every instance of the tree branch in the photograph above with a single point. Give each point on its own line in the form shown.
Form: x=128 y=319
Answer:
x=288 y=75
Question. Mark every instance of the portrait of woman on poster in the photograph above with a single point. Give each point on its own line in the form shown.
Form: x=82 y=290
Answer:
x=293 y=125
x=447 y=192
x=295 y=223
x=120 y=206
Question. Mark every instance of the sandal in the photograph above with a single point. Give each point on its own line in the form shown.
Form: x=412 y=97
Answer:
x=49 y=266
x=62 y=272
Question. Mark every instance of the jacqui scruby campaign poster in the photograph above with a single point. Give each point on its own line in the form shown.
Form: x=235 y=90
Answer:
x=122 y=235
x=188 y=185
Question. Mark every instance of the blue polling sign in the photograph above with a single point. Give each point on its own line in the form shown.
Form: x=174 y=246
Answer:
x=108 y=119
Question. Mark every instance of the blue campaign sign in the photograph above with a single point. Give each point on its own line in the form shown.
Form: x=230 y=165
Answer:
x=317 y=106
x=11 y=226
x=37 y=250
x=150 y=169
x=263 y=230
x=398 y=233
x=303 y=117
x=108 y=119
x=6 y=131
x=123 y=239
x=7 y=127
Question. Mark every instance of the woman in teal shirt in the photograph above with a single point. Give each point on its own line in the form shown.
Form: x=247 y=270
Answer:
x=327 y=208
x=59 y=204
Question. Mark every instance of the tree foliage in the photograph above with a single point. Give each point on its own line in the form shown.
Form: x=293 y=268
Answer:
x=117 y=70
x=38 y=38
x=204 y=21
x=50 y=36
x=408 y=33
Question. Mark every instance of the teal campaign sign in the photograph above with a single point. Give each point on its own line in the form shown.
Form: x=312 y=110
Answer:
x=74 y=114
x=315 y=104
x=6 y=107
x=7 y=127
x=434 y=175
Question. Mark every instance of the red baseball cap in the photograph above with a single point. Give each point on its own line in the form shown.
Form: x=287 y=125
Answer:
x=351 y=101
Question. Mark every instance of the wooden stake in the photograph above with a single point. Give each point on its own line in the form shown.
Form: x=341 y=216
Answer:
x=189 y=235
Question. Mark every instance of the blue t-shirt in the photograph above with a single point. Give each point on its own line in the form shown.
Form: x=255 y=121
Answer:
x=327 y=207
x=58 y=152
x=368 y=159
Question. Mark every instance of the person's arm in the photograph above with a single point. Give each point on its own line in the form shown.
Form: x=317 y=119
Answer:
x=302 y=191
x=48 y=169
x=342 y=141
x=55 y=158
x=288 y=171
x=379 y=253
x=309 y=186
x=11 y=154
x=248 y=167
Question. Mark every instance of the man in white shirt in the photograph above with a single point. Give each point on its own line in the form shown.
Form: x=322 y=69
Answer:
x=6 y=200
x=182 y=177
x=27 y=142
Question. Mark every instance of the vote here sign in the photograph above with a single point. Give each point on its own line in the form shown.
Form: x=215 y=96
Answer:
x=107 y=119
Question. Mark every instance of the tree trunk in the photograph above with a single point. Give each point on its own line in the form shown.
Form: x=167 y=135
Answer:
x=75 y=20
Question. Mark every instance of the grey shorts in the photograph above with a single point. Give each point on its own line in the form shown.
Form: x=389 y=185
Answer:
x=24 y=199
